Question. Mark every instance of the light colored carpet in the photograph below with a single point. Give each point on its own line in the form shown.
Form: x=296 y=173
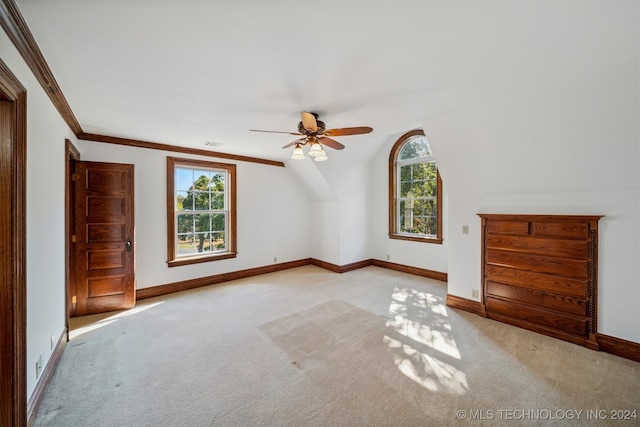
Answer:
x=307 y=347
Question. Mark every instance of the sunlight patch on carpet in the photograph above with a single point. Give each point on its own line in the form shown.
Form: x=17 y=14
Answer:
x=422 y=317
x=320 y=340
x=419 y=332
x=110 y=319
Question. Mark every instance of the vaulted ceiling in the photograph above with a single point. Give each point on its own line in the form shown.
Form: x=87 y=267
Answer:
x=189 y=72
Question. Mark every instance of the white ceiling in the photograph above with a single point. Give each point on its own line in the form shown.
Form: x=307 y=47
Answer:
x=184 y=72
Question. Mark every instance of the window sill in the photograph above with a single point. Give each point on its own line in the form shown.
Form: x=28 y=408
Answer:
x=199 y=259
x=435 y=240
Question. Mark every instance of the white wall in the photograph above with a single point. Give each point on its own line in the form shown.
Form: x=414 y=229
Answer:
x=565 y=143
x=348 y=178
x=273 y=212
x=46 y=134
x=325 y=231
x=323 y=223
x=341 y=212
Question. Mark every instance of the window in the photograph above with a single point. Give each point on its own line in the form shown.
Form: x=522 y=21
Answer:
x=201 y=200
x=415 y=191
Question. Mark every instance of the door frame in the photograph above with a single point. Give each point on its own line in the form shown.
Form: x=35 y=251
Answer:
x=71 y=155
x=13 y=297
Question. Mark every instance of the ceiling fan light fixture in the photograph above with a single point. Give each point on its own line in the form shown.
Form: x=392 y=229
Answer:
x=320 y=157
x=316 y=149
x=298 y=154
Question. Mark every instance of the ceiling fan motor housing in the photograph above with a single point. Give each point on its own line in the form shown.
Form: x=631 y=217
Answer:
x=320 y=124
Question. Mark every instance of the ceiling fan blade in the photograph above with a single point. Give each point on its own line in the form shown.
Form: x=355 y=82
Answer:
x=348 y=131
x=309 y=122
x=297 y=141
x=274 y=131
x=330 y=143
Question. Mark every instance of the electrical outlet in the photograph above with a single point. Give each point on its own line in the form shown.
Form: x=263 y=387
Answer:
x=388 y=257
x=474 y=294
x=275 y=259
x=38 y=367
x=465 y=229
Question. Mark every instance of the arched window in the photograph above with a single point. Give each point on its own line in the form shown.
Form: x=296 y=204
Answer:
x=415 y=191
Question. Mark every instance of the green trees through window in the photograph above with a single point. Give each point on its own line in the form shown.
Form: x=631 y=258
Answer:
x=201 y=211
x=418 y=204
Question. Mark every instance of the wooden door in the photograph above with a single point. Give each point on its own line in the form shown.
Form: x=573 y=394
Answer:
x=104 y=240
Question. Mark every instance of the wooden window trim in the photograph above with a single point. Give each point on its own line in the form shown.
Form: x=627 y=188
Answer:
x=172 y=259
x=393 y=234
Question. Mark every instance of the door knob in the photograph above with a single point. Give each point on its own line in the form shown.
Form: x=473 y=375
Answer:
x=128 y=245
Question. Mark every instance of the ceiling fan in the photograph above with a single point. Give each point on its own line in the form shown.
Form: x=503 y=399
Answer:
x=314 y=133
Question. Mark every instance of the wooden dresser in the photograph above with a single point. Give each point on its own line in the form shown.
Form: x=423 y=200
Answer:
x=539 y=272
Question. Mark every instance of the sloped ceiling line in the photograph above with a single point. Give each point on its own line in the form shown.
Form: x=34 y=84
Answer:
x=16 y=28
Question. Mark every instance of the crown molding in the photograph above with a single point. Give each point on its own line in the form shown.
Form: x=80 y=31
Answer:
x=16 y=28
x=174 y=148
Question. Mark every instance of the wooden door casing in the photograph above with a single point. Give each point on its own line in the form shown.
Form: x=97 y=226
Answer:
x=13 y=283
x=105 y=278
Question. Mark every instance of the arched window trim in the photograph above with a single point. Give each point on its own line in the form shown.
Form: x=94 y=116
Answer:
x=393 y=198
